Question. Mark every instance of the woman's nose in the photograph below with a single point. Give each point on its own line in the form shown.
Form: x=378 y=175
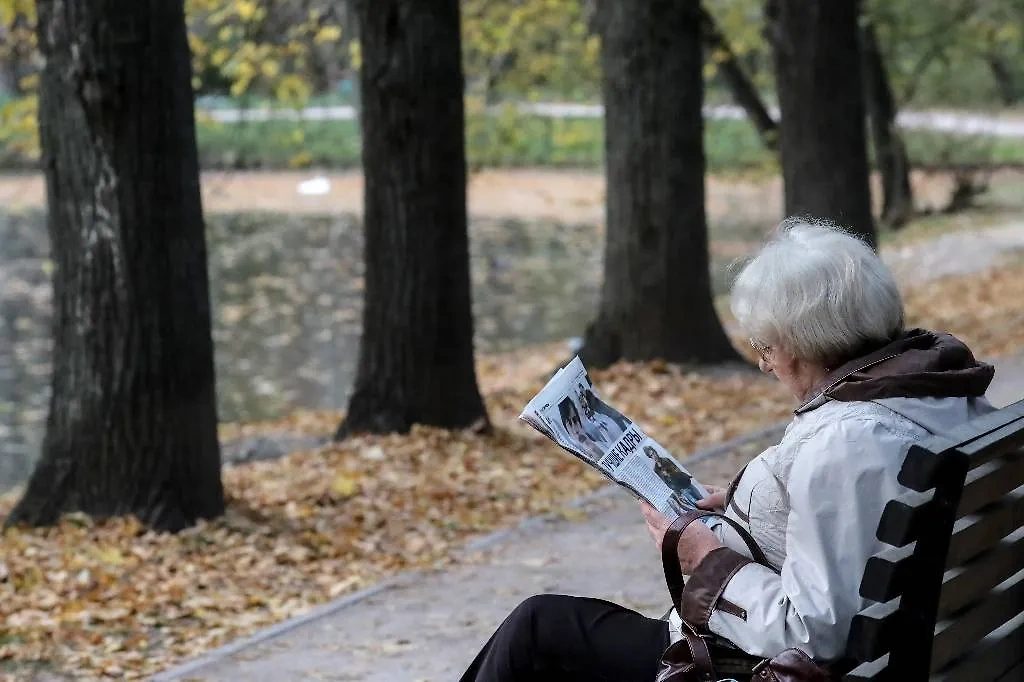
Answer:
x=763 y=365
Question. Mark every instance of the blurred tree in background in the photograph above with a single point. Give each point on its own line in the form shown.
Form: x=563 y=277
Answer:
x=953 y=52
x=821 y=100
x=890 y=152
x=656 y=296
x=416 y=351
x=132 y=426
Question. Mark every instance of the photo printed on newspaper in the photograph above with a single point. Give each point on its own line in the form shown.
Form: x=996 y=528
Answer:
x=569 y=411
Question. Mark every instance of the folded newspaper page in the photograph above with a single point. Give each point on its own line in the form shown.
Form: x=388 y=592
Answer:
x=568 y=411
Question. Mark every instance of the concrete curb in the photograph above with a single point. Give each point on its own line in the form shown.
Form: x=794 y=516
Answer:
x=488 y=541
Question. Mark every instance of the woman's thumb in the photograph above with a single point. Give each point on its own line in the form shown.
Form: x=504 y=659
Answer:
x=713 y=501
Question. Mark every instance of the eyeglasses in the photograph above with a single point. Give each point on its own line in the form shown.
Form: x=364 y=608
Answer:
x=761 y=349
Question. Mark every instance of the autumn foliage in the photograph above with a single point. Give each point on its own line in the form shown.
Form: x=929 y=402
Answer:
x=113 y=599
x=283 y=54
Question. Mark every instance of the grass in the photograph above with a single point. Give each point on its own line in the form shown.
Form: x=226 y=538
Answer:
x=509 y=141
x=492 y=141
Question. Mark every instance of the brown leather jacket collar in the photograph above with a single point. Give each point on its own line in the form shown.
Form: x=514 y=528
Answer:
x=917 y=364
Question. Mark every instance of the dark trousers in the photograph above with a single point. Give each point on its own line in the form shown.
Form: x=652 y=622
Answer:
x=552 y=637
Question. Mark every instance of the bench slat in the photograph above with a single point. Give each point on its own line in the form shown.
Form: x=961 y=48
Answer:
x=870 y=671
x=975 y=438
x=997 y=654
x=980 y=602
x=888 y=572
x=979 y=427
x=975 y=533
x=904 y=517
x=1016 y=674
x=874 y=630
x=960 y=634
x=973 y=580
x=991 y=481
x=1005 y=439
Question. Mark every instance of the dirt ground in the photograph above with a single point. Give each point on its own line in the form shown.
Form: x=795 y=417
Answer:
x=570 y=196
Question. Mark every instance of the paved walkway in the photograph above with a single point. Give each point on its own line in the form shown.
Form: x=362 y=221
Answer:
x=955 y=253
x=425 y=627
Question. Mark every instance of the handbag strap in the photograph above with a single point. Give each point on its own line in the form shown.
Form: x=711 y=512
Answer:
x=700 y=654
x=700 y=668
x=670 y=549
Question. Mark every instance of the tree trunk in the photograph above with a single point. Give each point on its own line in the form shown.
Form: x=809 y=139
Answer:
x=132 y=427
x=656 y=300
x=1009 y=86
x=890 y=153
x=821 y=98
x=416 y=353
x=736 y=80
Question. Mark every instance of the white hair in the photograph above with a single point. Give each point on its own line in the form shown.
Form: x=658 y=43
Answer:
x=817 y=292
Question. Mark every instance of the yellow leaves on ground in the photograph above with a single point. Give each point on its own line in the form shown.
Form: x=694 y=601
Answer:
x=112 y=599
x=984 y=309
x=316 y=525
x=110 y=555
x=344 y=486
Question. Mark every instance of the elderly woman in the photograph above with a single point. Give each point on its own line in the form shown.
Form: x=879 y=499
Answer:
x=826 y=318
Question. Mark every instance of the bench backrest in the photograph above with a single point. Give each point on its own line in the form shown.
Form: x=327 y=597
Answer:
x=950 y=588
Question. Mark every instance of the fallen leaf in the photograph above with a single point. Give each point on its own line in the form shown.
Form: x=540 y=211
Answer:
x=345 y=585
x=344 y=486
x=110 y=555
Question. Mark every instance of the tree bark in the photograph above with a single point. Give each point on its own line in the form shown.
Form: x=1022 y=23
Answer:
x=416 y=353
x=736 y=80
x=656 y=300
x=890 y=153
x=821 y=97
x=132 y=427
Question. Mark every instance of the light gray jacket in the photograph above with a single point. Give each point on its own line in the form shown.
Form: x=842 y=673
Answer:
x=813 y=503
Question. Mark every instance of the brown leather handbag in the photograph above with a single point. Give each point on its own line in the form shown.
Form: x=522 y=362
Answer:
x=691 y=659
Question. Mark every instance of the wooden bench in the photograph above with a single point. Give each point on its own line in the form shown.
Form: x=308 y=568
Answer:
x=950 y=588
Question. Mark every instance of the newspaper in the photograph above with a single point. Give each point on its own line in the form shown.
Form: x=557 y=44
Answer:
x=569 y=412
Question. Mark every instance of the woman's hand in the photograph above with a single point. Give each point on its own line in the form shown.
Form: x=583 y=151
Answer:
x=715 y=501
x=695 y=543
x=657 y=523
